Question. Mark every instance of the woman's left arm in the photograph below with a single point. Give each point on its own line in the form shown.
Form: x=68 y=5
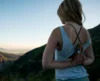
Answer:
x=48 y=61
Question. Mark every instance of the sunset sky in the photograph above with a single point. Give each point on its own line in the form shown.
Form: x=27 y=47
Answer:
x=27 y=24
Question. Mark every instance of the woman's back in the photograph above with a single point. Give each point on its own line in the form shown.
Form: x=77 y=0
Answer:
x=70 y=31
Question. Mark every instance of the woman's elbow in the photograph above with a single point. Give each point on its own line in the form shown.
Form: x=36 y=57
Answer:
x=45 y=65
x=92 y=58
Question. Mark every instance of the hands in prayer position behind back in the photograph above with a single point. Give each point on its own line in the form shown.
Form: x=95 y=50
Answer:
x=78 y=59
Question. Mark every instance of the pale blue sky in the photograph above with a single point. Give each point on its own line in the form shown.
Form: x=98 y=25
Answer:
x=29 y=23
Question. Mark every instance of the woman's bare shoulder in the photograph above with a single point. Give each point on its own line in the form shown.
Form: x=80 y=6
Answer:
x=56 y=30
x=57 y=33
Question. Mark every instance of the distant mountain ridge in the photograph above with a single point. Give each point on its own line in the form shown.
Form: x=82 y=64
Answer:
x=8 y=56
x=14 y=51
x=30 y=63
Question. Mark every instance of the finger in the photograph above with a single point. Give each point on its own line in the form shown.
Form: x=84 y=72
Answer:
x=74 y=60
x=80 y=58
x=77 y=59
x=83 y=58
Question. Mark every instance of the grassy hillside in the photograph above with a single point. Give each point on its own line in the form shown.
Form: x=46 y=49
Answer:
x=28 y=67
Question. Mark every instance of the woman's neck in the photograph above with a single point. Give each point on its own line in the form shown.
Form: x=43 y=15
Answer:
x=71 y=22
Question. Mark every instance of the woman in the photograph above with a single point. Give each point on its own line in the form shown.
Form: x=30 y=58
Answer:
x=60 y=52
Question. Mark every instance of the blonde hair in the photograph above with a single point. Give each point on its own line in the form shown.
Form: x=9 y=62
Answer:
x=70 y=10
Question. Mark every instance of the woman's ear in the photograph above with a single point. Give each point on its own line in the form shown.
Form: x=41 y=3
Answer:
x=63 y=22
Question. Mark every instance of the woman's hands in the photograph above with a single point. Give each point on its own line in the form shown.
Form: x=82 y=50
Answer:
x=78 y=59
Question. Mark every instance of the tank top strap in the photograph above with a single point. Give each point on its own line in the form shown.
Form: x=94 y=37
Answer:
x=65 y=38
x=64 y=34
